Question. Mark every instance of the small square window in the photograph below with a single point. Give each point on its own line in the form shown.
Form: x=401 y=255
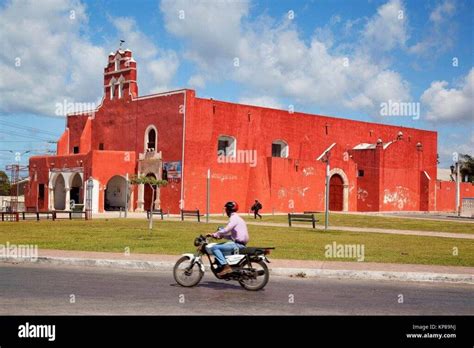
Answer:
x=101 y=146
x=360 y=172
x=276 y=150
x=75 y=149
x=226 y=146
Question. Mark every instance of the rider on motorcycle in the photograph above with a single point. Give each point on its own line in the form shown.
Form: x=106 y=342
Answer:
x=236 y=231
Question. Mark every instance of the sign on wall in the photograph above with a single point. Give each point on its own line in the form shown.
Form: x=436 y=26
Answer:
x=173 y=169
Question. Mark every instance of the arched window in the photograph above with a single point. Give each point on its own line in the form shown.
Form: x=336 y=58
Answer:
x=226 y=146
x=151 y=139
x=280 y=149
x=120 y=87
x=112 y=88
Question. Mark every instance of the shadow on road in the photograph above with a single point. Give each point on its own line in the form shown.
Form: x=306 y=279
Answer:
x=214 y=286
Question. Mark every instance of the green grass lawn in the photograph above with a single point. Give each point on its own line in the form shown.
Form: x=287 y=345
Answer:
x=351 y=220
x=174 y=237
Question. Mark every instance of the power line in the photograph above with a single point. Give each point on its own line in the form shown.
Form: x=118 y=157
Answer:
x=24 y=127
x=22 y=135
x=28 y=141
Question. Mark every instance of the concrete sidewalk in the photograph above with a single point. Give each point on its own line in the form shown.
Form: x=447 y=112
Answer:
x=292 y=268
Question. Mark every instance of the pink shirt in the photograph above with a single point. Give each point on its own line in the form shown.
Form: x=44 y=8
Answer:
x=235 y=230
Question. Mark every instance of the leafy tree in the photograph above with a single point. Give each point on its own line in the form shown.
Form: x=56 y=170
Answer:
x=4 y=184
x=153 y=183
x=467 y=166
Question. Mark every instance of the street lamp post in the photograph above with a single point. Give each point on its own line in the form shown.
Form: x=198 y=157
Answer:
x=325 y=159
x=455 y=170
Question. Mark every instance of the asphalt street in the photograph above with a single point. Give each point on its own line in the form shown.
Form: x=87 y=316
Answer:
x=45 y=290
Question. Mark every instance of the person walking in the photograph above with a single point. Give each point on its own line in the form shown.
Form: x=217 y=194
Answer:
x=256 y=207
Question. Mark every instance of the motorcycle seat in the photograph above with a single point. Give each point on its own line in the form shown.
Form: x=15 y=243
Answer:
x=254 y=250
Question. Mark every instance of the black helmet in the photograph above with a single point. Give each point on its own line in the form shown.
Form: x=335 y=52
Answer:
x=231 y=207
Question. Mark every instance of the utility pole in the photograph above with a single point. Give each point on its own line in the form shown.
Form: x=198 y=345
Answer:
x=15 y=179
x=126 y=194
x=208 y=194
x=326 y=220
x=456 y=167
x=458 y=192
x=326 y=214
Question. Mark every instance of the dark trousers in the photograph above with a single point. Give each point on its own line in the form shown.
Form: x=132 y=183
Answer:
x=255 y=214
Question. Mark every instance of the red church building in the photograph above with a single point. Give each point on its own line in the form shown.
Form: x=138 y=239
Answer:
x=276 y=156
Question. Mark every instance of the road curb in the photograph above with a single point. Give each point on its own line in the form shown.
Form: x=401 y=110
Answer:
x=279 y=271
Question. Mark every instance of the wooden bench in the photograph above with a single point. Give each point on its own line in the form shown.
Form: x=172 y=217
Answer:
x=154 y=212
x=10 y=216
x=302 y=217
x=193 y=213
x=70 y=215
x=36 y=215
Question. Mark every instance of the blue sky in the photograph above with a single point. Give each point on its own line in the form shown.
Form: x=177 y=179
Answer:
x=342 y=58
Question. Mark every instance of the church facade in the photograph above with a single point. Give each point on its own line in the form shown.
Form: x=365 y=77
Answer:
x=276 y=156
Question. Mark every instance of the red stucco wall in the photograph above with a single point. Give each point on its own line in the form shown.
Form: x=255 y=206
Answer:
x=446 y=194
x=297 y=183
x=394 y=177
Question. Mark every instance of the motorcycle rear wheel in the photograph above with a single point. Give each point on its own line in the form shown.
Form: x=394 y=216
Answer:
x=187 y=277
x=261 y=280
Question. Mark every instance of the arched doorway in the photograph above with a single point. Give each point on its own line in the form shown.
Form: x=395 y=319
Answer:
x=336 y=190
x=148 y=193
x=77 y=192
x=59 y=193
x=115 y=193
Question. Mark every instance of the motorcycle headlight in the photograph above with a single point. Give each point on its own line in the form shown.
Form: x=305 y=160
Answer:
x=197 y=241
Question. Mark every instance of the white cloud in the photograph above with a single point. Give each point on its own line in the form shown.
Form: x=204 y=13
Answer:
x=455 y=142
x=275 y=60
x=57 y=62
x=212 y=29
x=197 y=81
x=445 y=104
x=443 y=11
x=388 y=28
x=54 y=61
x=265 y=101
x=439 y=37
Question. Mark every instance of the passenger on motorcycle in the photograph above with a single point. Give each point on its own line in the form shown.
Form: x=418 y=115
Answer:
x=236 y=231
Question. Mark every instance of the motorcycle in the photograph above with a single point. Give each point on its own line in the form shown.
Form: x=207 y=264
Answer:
x=248 y=266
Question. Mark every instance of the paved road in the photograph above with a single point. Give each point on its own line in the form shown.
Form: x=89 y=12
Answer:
x=35 y=289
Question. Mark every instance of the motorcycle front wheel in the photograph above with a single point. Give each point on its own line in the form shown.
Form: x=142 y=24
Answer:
x=259 y=278
x=185 y=275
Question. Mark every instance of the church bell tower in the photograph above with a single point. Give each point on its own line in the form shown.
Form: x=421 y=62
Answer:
x=120 y=76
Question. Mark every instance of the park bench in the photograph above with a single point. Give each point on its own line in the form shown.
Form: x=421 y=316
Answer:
x=192 y=213
x=70 y=215
x=154 y=212
x=302 y=217
x=10 y=216
x=36 y=215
